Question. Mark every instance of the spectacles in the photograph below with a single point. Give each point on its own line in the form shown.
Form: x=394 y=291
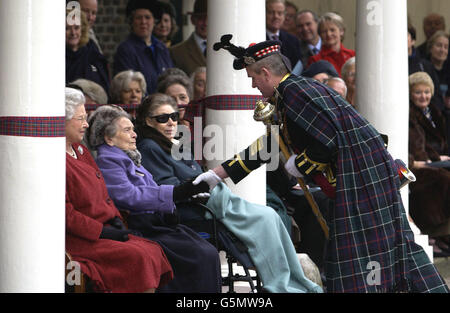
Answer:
x=163 y=118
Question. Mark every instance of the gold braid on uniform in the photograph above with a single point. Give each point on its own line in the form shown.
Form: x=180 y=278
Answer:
x=305 y=165
x=308 y=167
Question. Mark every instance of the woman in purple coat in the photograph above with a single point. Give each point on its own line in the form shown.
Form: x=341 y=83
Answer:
x=195 y=262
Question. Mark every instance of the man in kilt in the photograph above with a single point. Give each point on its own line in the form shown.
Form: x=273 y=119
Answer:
x=371 y=247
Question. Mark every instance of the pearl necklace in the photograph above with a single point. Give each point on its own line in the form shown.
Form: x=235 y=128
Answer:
x=72 y=153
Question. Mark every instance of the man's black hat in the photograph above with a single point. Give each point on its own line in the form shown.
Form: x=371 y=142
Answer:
x=153 y=6
x=200 y=7
x=250 y=55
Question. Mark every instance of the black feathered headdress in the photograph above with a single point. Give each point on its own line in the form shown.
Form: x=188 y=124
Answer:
x=250 y=55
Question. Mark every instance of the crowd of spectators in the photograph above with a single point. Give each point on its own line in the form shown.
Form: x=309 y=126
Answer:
x=148 y=62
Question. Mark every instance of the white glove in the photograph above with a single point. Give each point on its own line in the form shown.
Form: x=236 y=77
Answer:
x=291 y=168
x=210 y=177
x=202 y=195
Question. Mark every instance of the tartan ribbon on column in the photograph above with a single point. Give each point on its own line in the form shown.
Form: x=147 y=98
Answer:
x=220 y=102
x=32 y=126
x=232 y=102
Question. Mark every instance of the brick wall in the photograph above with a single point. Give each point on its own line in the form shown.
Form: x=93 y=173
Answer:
x=111 y=27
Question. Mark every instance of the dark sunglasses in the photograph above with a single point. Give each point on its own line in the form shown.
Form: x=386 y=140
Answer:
x=163 y=118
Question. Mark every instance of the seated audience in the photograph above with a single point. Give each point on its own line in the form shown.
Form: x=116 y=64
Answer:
x=259 y=227
x=348 y=73
x=127 y=89
x=289 y=20
x=424 y=113
x=331 y=30
x=429 y=197
x=307 y=31
x=275 y=16
x=83 y=59
x=198 y=78
x=416 y=63
x=90 y=8
x=142 y=51
x=96 y=237
x=431 y=24
x=438 y=49
x=167 y=26
x=191 y=53
x=152 y=208
x=180 y=88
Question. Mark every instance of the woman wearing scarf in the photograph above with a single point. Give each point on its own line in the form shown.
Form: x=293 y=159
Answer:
x=152 y=208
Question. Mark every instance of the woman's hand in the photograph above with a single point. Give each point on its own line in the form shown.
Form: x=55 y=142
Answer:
x=445 y=158
x=420 y=164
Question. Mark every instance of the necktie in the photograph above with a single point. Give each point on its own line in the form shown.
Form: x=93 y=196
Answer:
x=315 y=50
x=427 y=113
x=275 y=37
x=204 y=48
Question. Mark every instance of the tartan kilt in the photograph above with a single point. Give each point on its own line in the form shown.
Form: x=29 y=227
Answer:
x=371 y=246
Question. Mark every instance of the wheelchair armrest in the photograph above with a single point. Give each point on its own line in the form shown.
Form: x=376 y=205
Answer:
x=213 y=219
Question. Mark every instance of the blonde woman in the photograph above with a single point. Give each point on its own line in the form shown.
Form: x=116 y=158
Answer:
x=83 y=59
x=331 y=30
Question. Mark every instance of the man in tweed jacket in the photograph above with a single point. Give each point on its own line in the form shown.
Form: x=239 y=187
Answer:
x=371 y=247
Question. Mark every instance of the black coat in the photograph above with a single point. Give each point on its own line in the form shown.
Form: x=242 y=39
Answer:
x=88 y=63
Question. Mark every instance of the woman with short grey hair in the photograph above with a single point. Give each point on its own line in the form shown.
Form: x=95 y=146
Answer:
x=153 y=208
x=96 y=237
x=121 y=84
x=74 y=99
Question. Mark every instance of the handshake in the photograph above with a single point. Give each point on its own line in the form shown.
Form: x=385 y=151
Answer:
x=198 y=188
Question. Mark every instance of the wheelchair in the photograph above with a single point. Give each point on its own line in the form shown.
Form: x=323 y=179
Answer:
x=236 y=253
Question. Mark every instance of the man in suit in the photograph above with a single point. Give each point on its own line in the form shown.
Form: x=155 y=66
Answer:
x=307 y=32
x=191 y=53
x=275 y=15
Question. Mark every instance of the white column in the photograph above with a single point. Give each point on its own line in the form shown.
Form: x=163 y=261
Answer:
x=382 y=77
x=187 y=27
x=245 y=20
x=32 y=169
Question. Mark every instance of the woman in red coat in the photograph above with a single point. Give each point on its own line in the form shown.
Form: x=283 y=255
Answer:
x=331 y=30
x=112 y=257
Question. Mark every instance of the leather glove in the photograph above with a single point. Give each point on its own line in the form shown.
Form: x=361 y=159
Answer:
x=110 y=232
x=116 y=222
x=210 y=177
x=291 y=167
x=188 y=189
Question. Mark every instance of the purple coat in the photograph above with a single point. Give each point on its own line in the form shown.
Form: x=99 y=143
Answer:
x=132 y=188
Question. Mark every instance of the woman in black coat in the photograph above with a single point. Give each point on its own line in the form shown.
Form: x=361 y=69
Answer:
x=429 y=197
x=83 y=59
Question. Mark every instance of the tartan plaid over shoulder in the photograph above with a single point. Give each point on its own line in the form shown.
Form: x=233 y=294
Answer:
x=371 y=247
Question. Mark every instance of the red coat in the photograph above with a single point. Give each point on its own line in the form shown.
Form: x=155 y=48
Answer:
x=336 y=58
x=131 y=266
